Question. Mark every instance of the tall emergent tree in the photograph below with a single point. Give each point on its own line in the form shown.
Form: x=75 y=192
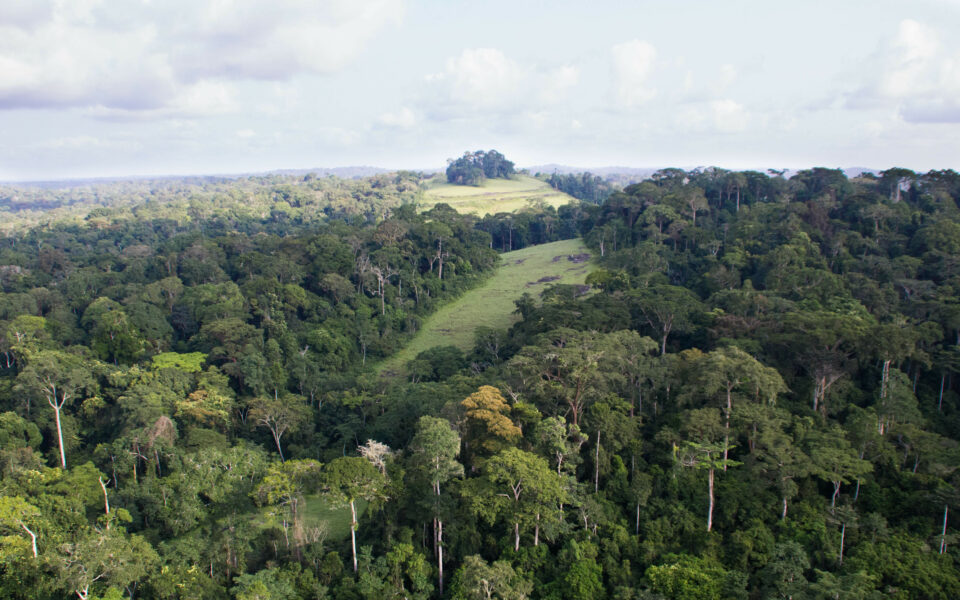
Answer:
x=348 y=479
x=434 y=449
x=58 y=377
x=518 y=487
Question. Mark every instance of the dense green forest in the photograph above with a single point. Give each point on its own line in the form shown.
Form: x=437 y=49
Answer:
x=756 y=400
x=585 y=186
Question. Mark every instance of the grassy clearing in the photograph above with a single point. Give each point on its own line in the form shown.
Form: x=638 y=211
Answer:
x=338 y=519
x=529 y=270
x=317 y=513
x=493 y=196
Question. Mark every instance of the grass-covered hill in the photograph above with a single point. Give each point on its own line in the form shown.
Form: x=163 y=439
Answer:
x=493 y=196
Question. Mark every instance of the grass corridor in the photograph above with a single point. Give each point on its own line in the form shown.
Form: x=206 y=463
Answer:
x=492 y=304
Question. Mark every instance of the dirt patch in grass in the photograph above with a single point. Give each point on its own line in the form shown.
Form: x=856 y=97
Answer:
x=574 y=258
x=546 y=279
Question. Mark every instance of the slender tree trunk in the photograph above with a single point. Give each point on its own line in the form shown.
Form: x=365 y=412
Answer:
x=836 y=492
x=710 y=491
x=856 y=492
x=516 y=536
x=440 y=553
x=783 y=514
x=596 y=467
x=726 y=426
x=638 y=518
x=276 y=438
x=943 y=377
x=536 y=532
x=843 y=533
x=943 y=533
x=33 y=540
x=353 y=533
x=106 y=500
x=56 y=412
x=884 y=378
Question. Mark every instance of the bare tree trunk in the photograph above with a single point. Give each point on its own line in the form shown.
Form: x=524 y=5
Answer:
x=33 y=540
x=276 y=438
x=943 y=377
x=783 y=514
x=106 y=500
x=943 y=533
x=638 y=518
x=816 y=393
x=843 y=532
x=536 y=532
x=710 y=491
x=56 y=412
x=353 y=533
x=440 y=553
x=516 y=537
x=884 y=378
x=726 y=433
x=596 y=467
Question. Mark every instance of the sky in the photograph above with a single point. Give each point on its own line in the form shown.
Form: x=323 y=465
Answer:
x=112 y=88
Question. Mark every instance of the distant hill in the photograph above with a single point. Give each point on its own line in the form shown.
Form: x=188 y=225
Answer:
x=615 y=173
x=342 y=172
x=627 y=175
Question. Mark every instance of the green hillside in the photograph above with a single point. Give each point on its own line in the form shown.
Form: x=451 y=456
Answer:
x=492 y=304
x=493 y=195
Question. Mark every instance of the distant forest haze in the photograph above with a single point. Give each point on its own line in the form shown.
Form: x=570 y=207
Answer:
x=753 y=393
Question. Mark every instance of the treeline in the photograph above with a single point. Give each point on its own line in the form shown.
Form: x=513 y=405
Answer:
x=540 y=224
x=282 y=198
x=757 y=401
x=473 y=167
x=583 y=186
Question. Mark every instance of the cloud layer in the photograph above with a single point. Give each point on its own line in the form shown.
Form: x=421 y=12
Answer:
x=174 y=56
x=916 y=72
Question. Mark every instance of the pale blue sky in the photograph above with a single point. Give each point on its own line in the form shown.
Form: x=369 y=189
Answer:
x=140 y=87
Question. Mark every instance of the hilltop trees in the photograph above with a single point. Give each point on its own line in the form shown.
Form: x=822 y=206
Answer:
x=473 y=167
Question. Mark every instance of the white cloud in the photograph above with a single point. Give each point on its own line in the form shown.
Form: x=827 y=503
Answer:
x=713 y=116
x=80 y=144
x=728 y=76
x=485 y=81
x=484 y=78
x=917 y=74
x=633 y=62
x=201 y=99
x=401 y=119
x=557 y=83
x=728 y=116
x=161 y=57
